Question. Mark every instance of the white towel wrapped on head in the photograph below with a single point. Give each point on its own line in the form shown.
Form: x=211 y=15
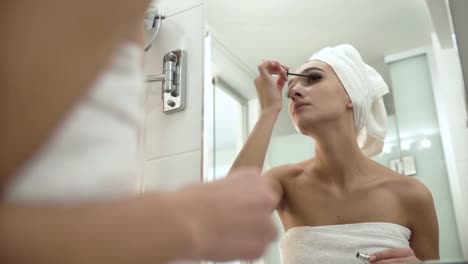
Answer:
x=365 y=88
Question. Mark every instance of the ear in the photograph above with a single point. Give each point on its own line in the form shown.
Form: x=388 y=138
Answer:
x=349 y=105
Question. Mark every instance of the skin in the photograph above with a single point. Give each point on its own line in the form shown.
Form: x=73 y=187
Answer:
x=51 y=53
x=50 y=48
x=339 y=182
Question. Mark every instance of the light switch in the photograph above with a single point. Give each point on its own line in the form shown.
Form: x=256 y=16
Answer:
x=396 y=165
x=409 y=165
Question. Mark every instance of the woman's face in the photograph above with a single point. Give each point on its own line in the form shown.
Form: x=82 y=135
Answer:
x=318 y=99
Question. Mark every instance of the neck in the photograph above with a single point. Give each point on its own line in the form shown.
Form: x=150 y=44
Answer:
x=338 y=157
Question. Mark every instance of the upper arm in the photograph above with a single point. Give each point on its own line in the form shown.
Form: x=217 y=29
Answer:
x=423 y=222
x=275 y=178
x=51 y=52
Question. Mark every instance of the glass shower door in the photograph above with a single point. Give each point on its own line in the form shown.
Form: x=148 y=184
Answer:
x=413 y=145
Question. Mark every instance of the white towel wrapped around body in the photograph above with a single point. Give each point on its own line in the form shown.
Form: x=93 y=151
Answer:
x=340 y=243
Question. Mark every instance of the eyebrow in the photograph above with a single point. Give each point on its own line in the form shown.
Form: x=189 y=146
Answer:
x=302 y=74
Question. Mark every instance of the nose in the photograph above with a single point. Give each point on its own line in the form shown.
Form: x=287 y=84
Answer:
x=295 y=93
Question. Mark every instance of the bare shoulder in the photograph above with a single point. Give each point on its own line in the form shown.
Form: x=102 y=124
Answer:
x=278 y=176
x=415 y=196
x=419 y=212
x=411 y=192
x=284 y=171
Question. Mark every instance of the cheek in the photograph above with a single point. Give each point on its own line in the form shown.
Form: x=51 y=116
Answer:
x=331 y=92
x=320 y=95
x=290 y=111
x=328 y=101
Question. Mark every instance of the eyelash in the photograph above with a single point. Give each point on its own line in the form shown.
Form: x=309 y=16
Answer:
x=314 y=77
x=311 y=78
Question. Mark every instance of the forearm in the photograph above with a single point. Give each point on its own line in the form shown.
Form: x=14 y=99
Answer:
x=51 y=52
x=138 y=230
x=254 y=151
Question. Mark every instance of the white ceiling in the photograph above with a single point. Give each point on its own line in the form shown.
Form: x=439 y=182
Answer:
x=292 y=30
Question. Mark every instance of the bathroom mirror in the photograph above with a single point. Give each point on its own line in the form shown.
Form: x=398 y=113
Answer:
x=410 y=43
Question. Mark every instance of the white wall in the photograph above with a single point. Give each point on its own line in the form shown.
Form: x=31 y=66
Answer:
x=458 y=11
x=449 y=99
x=417 y=121
x=172 y=143
x=227 y=66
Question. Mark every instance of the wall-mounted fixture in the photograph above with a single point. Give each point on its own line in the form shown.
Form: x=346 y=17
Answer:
x=173 y=81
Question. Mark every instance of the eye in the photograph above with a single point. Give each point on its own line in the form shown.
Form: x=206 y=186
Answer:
x=314 y=77
x=305 y=80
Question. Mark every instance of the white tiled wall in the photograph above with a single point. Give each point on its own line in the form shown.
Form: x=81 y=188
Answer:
x=172 y=143
x=173 y=171
x=172 y=7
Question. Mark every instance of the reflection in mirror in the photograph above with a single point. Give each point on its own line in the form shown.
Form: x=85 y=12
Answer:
x=410 y=44
x=230 y=127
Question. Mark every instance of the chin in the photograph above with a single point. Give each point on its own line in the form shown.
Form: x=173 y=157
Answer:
x=303 y=127
x=306 y=126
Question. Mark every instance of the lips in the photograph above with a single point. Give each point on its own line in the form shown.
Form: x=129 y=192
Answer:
x=299 y=106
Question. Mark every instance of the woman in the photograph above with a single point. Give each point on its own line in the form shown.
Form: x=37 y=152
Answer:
x=339 y=202
x=71 y=80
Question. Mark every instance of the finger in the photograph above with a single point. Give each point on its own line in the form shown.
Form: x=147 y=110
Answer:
x=263 y=69
x=392 y=253
x=257 y=226
x=273 y=229
x=247 y=172
x=272 y=67
x=395 y=260
x=286 y=69
x=237 y=246
x=261 y=192
x=264 y=228
x=271 y=199
x=277 y=68
x=280 y=83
